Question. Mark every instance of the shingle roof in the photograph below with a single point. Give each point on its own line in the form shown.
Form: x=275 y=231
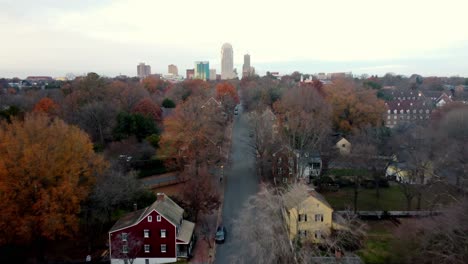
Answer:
x=166 y=207
x=186 y=231
x=292 y=200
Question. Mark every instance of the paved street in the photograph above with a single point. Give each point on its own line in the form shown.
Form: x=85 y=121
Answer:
x=241 y=182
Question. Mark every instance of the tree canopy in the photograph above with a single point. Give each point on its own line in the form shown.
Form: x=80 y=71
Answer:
x=46 y=170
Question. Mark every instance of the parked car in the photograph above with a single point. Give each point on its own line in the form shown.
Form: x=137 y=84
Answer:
x=220 y=234
x=236 y=112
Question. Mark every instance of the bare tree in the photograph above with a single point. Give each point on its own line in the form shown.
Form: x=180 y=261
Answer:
x=269 y=241
x=262 y=123
x=304 y=120
x=441 y=239
x=127 y=246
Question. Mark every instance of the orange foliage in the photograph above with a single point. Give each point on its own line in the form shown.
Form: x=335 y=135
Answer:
x=353 y=107
x=148 y=108
x=226 y=89
x=46 y=105
x=46 y=170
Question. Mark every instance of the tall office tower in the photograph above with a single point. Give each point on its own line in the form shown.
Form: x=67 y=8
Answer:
x=143 y=70
x=246 y=70
x=212 y=74
x=202 y=70
x=227 y=62
x=172 y=69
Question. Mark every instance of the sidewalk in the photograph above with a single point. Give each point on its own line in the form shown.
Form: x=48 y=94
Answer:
x=202 y=253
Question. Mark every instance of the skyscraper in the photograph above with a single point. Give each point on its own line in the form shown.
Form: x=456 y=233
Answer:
x=143 y=70
x=227 y=62
x=190 y=73
x=172 y=69
x=212 y=74
x=246 y=67
x=202 y=70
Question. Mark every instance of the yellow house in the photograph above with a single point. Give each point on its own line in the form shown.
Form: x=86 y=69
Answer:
x=309 y=218
x=344 y=146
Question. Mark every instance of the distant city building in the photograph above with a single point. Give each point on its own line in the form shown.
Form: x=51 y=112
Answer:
x=247 y=70
x=202 y=70
x=143 y=70
x=190 y=73
x=227 y=62
x=212 y=74
x=172 y=69
x=218 y=77
x=172 y=78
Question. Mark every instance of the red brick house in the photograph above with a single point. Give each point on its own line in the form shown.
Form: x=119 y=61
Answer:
x=156 y=234
x=284 y=166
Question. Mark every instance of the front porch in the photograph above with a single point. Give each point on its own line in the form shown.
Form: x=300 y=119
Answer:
x=185 y=240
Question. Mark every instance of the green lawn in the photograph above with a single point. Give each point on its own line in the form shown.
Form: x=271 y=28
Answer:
x=391 y=198
x=378 y=244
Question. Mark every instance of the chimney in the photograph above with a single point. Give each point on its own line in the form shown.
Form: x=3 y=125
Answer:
x=160 y=196
x=135 y=207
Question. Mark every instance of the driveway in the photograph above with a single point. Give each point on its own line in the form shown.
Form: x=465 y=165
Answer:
x=241 y=182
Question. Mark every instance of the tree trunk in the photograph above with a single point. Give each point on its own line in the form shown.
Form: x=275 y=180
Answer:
x=356 y=193
x=419 y=201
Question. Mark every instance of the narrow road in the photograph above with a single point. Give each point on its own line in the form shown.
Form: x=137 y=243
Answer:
x=241 y=183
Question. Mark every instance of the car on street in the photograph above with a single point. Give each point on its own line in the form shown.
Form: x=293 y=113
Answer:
x=236 y=112
x=220 y=234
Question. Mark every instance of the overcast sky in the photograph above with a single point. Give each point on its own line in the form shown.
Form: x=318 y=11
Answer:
x=55 y=37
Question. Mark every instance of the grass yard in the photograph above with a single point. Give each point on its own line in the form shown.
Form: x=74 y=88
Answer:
x=391 y=198
x=378 y=244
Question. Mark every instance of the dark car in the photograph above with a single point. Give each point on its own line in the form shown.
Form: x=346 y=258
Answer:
x=220 y=234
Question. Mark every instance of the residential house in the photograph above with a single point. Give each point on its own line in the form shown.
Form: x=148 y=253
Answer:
x=309 y=218
x=404 y=172
x=284 y=165
x=443 y=100
x=310 y=164
x=344 y=146
x=156 y=234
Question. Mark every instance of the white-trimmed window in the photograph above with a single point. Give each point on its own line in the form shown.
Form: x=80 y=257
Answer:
x=146 y=261
x=319 y=218
x=158 y=218
x=146 y=233
x=124 y=236
x=125 y=249
x=163 y=233
x=163 y=248
x=147 y=248
x=318 y=234
x=150 y=218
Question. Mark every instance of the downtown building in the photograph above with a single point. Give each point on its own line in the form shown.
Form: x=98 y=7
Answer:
x=202 y=70
x=247 y=70
x=172 y=69
x=227 y=62
x=143 y=70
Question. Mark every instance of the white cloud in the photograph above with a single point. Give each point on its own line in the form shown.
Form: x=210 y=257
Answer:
x=164 y=32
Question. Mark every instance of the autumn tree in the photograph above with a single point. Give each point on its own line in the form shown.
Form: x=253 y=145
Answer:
x=199 y=194
x=148 y=108
x=353 y=107
x=226 y=93
x=193 y=132
x=47 y=169
x=46 y=105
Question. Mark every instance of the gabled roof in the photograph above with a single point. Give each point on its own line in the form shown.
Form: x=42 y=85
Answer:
x=293 y=201
x=211 y=100
x=166 y=207
x=186 y=231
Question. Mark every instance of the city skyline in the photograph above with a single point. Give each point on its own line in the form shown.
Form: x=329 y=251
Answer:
x=110 y=37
